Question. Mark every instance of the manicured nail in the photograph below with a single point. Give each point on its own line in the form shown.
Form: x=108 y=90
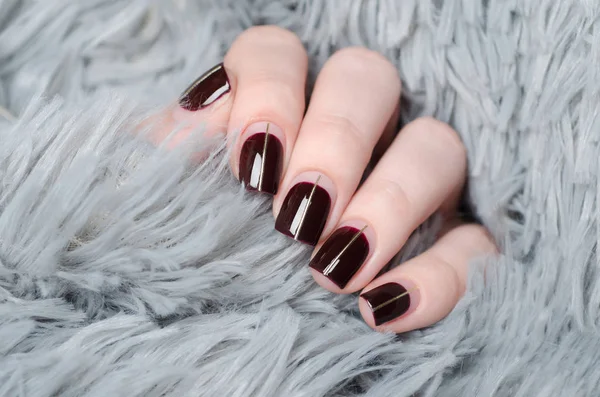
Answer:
x=207 y=88
x=261 y=161
x=387 y=302
x=342 y=254
x=304 y=212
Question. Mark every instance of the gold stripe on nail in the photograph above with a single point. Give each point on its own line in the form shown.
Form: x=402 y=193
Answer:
x=305 y=210
x=335 y=261
x=264 y=153
x=389 y=301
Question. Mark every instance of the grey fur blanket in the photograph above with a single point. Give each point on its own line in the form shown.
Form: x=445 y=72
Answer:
x=127 y=270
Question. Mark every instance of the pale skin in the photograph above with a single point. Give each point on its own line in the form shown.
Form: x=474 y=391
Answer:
x=327 y=146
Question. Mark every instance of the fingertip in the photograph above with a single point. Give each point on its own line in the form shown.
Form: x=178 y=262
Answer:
x=390 y=306
x=343 y=257
x=218 y=112
x=258 y=157
x=366 y=313
x=206 y=91
x=326 y=283
x=302 y=207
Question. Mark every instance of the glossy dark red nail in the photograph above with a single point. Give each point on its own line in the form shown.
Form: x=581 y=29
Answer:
x=342 y=255
x=304 y=212
x=261 y=162
x=207 y=88
x=387 y=302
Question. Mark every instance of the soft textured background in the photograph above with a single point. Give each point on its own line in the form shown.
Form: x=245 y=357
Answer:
x=125 y=271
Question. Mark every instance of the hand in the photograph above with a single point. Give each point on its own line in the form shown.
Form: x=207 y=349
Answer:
x=313 y=164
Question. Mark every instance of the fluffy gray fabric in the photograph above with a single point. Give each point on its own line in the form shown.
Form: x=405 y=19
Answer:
x=126 y=270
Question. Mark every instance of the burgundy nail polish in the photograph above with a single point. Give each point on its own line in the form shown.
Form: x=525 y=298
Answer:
x=207 y=88
x=342 y=255
x=261 y=162
x=304 y=212
x=387 y=302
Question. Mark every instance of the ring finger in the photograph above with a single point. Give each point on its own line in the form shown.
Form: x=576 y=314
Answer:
x=422 y=171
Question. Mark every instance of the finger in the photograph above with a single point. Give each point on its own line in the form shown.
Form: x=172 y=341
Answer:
x=354 y=97
x=271 y=65
x=425 y=164
x=425 y=289
x=258 y=89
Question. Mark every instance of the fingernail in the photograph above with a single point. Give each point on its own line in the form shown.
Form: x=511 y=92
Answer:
x=304 y=212
x=342 y=254
x=261 y=160
x=207 y=88
x=387 y=302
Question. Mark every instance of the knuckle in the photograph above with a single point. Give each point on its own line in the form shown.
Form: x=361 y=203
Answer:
x=273 y=94
x=267 y=81
x=440 y=133
x=344 y=127
x=393 y=196
x=476 y=236
x=364 y=60
x=272 y=35
x=361 y=56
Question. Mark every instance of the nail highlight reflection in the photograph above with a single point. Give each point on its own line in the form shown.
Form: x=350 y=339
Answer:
x=342 y=255
x=261 y=162
x=206 y=89
x=304 y=212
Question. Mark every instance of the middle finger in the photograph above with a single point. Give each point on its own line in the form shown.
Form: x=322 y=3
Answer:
x=354 y=97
